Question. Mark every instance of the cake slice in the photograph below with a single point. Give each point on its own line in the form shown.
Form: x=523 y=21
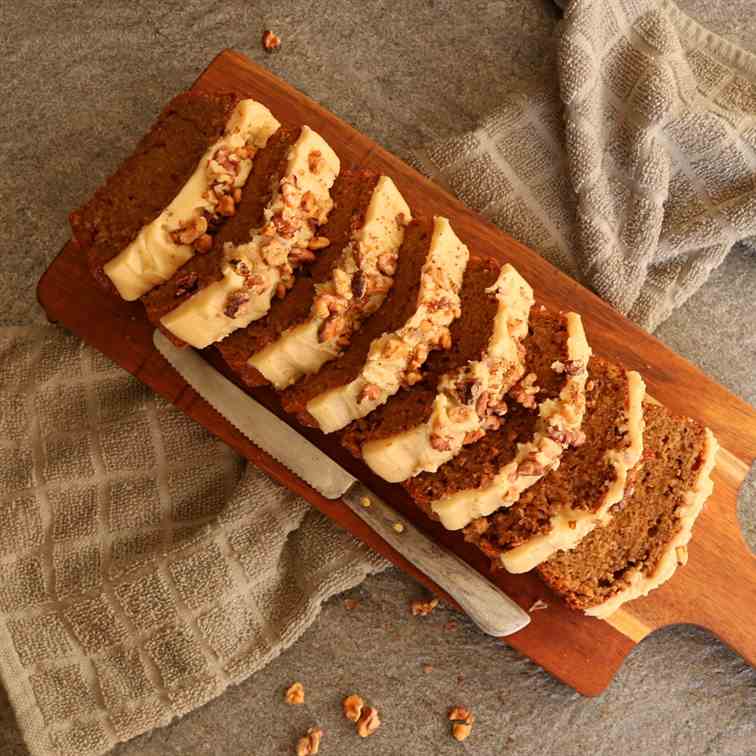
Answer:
x=262 y=265
x=573 y=498
x=545 y=413
x=393 y=345
x=187 y=173
x=348 y=283
x=206 y=268
x=646 y=539
x=462 y=391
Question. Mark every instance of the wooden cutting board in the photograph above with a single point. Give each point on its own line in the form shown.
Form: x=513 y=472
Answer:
x=717 y=589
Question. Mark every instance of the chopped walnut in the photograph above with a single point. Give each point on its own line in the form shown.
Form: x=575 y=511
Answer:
x=574 y=367
x=352 y=706
x=423 y=608
x=295 y=694
x=190 y=231
x=481 y=403
x=351 y=603
x=332 y=328
x=226 y=205
x=299 y=256
x=463 y=720
x=427 y=668
x=235 y=301
x=368 y=722
x=386 y=263
x=270 y=41
x=445 y=339
x=358 y=285
x=319 y=242
x=459 y=714
x=315 y=161
x=439 y=442
x=203 y=244
x=461 y=731
x=370 y=392
x=310 y=744
x=530 y=467
x=472 y=436
x=412 y=377
x=378 y=284
x=186 y=283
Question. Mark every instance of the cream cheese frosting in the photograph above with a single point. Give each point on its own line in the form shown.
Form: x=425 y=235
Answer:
x=256 y=271
x=395 y=358
x=569 y=526
x=559 y=419
x=458 y=416
x=357 y=287
x=164 y=245
x=676 y=554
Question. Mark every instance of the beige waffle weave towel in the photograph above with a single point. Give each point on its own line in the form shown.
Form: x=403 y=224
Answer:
x=634 y=169
x=144 y=569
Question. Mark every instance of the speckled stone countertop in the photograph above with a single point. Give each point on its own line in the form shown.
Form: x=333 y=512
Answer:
x=81 y=81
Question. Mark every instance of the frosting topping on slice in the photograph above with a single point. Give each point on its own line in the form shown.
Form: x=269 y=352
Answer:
x=254 y=272
x=357 y=287
x=558 y=425
x=469 y=399
x=164 y=245
x=395 y=358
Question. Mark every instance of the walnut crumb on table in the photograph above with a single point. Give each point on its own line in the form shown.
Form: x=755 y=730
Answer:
x=368 y=722
x=351 y=603
x=353 y=707
x=310 y=744
x=270 y=41
x=295 y=694
x=462 y=721
x=423 y=608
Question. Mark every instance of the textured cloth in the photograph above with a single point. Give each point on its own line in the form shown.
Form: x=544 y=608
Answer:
x=144 y=568
x=634 y=169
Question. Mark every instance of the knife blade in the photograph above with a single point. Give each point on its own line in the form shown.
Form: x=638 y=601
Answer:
x=489 y=607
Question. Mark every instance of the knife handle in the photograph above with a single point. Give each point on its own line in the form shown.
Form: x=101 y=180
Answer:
x=486 y=605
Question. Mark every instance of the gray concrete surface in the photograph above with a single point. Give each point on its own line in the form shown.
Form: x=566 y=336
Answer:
x=80 y=81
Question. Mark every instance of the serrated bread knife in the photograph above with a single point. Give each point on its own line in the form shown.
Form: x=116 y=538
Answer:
x=490 y=608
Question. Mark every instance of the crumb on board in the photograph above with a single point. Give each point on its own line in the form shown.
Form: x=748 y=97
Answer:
x=423 y=608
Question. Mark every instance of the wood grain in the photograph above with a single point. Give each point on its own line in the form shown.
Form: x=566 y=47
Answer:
x=717 y=590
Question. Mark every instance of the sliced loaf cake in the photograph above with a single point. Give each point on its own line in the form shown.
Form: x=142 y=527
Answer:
x=574 y=497
x=545 y=413
x=646 y=539
x=393 y=345
x=261 y=267
x=147 y=221
x=462 y=391
x=347 y=284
